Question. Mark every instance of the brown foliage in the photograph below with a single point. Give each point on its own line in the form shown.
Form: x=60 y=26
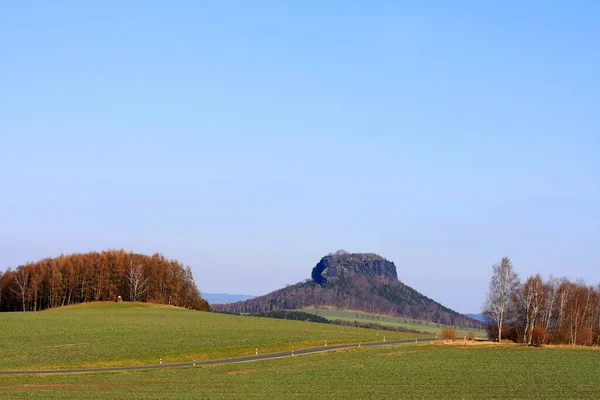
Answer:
x=94 y=276
x=448 y=332
x=556 y=311
x=538 y=336
x=586 y=337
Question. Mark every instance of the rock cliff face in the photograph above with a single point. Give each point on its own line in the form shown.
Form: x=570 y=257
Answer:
x=333 y=265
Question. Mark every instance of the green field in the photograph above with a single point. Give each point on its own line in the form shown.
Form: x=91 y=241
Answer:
x=117 y=334
x=407 y=323
x=409 y=371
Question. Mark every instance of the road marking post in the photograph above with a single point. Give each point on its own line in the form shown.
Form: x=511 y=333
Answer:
x=160 y=361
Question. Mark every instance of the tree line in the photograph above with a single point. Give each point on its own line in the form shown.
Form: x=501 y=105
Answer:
x=538 y=311
x=99 y=276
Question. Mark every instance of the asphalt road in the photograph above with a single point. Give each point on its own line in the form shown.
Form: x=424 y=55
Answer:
x=266 y=356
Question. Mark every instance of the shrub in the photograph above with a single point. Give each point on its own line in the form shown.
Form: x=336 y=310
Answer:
x=538 y=336
x=586 y=337
x=448 y=332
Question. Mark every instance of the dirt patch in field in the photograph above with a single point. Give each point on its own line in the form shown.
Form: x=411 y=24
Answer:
x=470 y=343
x=67 y=345
x=40 y=386
x=274 y=368
x=568 y=346
x=240 y=372
x=398 y=353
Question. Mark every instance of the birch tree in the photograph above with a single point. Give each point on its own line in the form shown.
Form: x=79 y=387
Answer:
x=138 y=283
x=503 y=284
x=22 y=283
x=549 y=309
x=532 y=302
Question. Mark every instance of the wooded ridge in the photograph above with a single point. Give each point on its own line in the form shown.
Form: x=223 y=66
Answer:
x=99 y=276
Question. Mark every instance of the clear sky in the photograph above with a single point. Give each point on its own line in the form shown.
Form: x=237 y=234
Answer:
x=249 y=139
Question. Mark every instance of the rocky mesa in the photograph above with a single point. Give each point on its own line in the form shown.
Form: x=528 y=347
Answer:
x=354 y=281
x=368 y=264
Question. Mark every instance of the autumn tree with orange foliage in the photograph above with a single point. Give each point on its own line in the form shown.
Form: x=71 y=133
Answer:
x=79 y=278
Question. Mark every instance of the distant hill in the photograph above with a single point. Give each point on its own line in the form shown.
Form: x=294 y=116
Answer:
x=225 y=298
x=478 y=317
x=354 y=281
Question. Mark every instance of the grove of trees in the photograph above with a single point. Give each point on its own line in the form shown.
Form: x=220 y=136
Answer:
x=538 y=311
x=98 y=276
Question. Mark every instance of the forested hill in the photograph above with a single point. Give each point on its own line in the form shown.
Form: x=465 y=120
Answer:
x=78 y=278
x=354 y=281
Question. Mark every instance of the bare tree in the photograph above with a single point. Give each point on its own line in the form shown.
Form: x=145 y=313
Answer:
x=551 y=297
x=579 y=307
x=54 y=280
x=1 y=285
x=597 y=316
x=22 y=282
x=138 y=283
x=564 y=295
x=502 y=287
x=532 y=300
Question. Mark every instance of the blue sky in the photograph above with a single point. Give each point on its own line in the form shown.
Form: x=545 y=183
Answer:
x=249 y=139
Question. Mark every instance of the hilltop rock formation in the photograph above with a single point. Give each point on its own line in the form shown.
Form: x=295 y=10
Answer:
x=333 y=265
x=354 y=281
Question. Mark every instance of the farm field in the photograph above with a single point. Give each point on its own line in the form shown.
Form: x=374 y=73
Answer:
x=408 y=323
x=410 y=371
x=122 y=334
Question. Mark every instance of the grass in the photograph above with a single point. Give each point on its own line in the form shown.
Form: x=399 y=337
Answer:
x=406 y=371
x=408 y=323
x=116 y=334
